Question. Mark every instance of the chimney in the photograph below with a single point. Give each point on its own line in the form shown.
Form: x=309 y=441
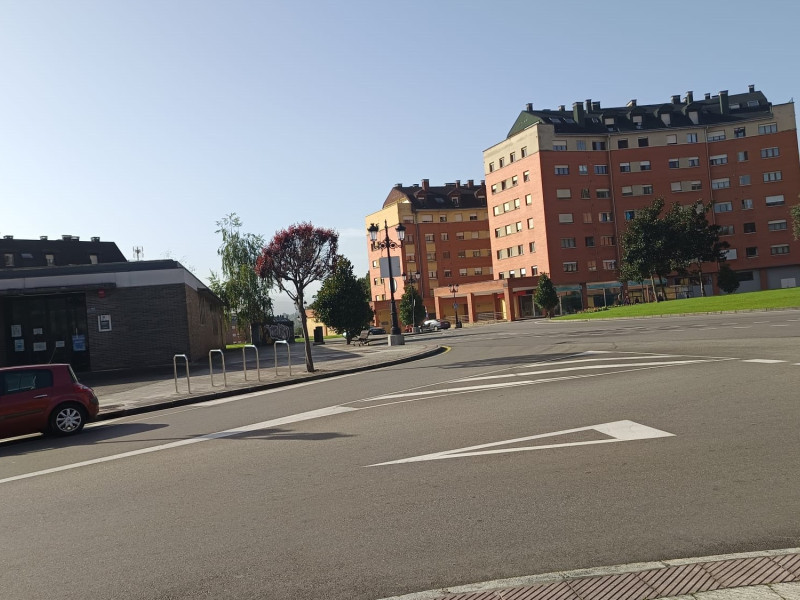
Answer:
x=43 y=238
x=596 y=106
x=66 y=238
x=751 y=88
x=689 y=97
x=676 y=99
x=483 y=182
x=470 y=183
x=95 y=239
x=632 y=103
x=425 y=184
x=707 y=96
x=458 y=183
x=588 y=105
x=8 y=237
x=529 y=107
x=561 y=107
x=577 y=112
x=724 y=106
x=398 y=185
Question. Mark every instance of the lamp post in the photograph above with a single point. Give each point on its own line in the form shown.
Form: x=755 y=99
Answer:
x=410 y=279
x=388 y=244
x=454 y=290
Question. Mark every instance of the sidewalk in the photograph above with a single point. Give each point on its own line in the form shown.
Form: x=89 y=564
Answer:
x=127 y=394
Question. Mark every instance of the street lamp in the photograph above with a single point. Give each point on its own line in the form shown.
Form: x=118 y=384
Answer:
x=388 y=244
x=454 y=290
x=409 y=279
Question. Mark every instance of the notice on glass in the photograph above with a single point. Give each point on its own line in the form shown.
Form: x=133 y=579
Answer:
x=79 y=343
x=16 y=331
x=19 y=345
x=37 y=331
x=39 y=346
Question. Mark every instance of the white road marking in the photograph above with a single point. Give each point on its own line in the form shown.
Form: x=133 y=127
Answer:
x=582 y=368
x=765 y=361
x=780 y=325
x=618 y=431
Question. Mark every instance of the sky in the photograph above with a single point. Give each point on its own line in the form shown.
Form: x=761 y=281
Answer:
x=146 y=122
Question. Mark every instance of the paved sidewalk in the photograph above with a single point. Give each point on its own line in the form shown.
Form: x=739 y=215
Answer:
x=126 y=394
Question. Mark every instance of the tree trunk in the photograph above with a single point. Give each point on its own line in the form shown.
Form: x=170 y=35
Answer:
x=304 y=324
x=702 y=284
x=653 y=285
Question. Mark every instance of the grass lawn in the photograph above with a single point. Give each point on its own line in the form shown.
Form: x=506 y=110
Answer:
x=786 y=298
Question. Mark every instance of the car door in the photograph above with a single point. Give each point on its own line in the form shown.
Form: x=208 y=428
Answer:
x=24 y=400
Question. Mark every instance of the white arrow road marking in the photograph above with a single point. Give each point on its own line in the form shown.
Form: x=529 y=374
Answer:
x=619 y=431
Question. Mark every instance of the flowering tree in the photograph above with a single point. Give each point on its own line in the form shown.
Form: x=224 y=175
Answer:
x=295 y=258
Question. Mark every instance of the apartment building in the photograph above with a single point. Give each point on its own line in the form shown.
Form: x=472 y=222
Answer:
x=563 y=183
x=446 y=241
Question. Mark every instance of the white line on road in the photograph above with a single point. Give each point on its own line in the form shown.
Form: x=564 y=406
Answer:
x=765 y=361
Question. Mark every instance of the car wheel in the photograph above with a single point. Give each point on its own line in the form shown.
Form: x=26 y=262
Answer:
x=67 y=419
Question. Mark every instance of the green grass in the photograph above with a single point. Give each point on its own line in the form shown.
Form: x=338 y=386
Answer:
x=787 y=298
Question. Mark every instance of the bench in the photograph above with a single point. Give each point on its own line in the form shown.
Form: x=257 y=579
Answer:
x=363 y=338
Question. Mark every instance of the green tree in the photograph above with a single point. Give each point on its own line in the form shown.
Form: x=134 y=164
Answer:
x=244 y=294
x=412 y=309
x=294 y=259
x=795 y=212
x=341 y=303
x=649 y=246
x=727 y=280
x=697 y=241
x=367 y=288
x=546 y=296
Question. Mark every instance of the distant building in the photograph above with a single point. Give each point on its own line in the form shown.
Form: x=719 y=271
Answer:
x=81 y=302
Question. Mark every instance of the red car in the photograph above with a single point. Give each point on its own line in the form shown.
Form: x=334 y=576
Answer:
x=44 y=398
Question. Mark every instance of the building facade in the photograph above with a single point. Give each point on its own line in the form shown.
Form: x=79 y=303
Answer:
x=446 y=241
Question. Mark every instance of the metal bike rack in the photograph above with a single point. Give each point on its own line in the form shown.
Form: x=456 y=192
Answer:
x=244 y=361
x=211 y=366
x=175 y=370
x=288 y=354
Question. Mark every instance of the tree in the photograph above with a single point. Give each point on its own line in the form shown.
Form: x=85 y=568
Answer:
x=698 y=241
x=412 y=308
x=727 y=280
x=244 y=294
x=546 y=296
x=367 y=288
x=295 y=258
x=648 y=246
x=795 y=212
x=341 y=303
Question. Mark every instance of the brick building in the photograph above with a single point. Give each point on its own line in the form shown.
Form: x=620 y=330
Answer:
x=65 y=300
x=562 y=184
x=447 y=240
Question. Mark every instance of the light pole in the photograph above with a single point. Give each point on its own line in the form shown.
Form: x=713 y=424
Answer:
x=388 y=244
x=454 y=290
x=410 y=279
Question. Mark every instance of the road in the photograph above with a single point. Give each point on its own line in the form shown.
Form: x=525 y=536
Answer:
x=527 y=448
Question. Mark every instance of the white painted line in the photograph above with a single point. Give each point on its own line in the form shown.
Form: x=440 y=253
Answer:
x=741 y=327
x=618 y=431
x=780 y=325
x=582 y=368
x=765 y=361
x=306 y=416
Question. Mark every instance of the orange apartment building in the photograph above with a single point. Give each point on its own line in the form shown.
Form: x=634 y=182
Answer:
x=446 y=242
x=564 y=182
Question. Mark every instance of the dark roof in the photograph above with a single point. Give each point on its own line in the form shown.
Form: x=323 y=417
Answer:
x=589 y=117
x=119 y=267
x=67 y=250
x=448 y=196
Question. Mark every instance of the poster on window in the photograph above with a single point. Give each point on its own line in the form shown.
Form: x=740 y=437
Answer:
x=16 y=331
x=79 y=343
x=104 y=322
x=19 y=345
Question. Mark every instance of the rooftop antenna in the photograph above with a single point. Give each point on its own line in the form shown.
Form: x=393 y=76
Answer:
x=138 y=252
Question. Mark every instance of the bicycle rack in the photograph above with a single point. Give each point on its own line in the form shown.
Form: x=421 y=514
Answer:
x=175 y=371
x=288 y=354
x=244 y=361
x=211 y=367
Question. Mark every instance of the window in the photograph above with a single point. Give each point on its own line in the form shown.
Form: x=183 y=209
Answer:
x=627 y=190
x=607 y=240
x=695 y=185
x=587 y=217
x=509 y=229
x=647 y=190
x=643 y=142
x=429 y=237
x=719 y=184
x=516 y=203
x=564 y=193
x=720 y=159
x=580 y=145
x=749 y=227
x=462 y=254
x=532 y=247
x=475 y=254
x=526 y=176
x=598 y=145
x=745 y=276
x=431 y=274
x=775 y=200
x=534 y=270
x=603 y=194
x=779 y=249
x=644 y=165
x=674 y=163
x=496 y=210
x=776 y=225
x=583 y=170
x=605 y=217
x=770 y=152
x=751 y=252
x=530 y=223
x=462 y=272
x=446 y=254
x=524 y=151
x=624 y=167
x=693 y=161
x=772 y=176
x=589 y=240
x=744 y=179
x=442 y=218
x=491 y=167
x=730 y=253
x=562 y=170
x=747 y=204
x=374 y=264
x=570 y=267
x=630 y=215
x=675 y=186
x=514 y=180
x=448 y=273
x=559 y=145
x=445 y=237
x=519 y=225
x=8 y=259
x=502 y=162
x=459 y=235
x=601 y=169
x=723 y=207
x=506 y=206
x=585 y=195
x=610 y=265
x=528 y=200
x=716 y=136
x=768 y=128
x=512 y=157
x=427 y=218
x=622 y=144
x=591 y=265
x=672 y=139
x=431 y=256
x=568 y=242
x=637 y=121
x=51 y=259
x=726 y=229
x=478 y=271
x=522 y=272
x=691 y=138
x=494 y=188
x=739 y=132
x=565 y=218
x=742 y=156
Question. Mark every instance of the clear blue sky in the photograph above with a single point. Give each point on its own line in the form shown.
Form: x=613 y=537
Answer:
x=145 y=122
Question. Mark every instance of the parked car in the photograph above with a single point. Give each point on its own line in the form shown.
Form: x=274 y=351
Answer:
x=436 y=324
x=44 y=398
x=377 y=331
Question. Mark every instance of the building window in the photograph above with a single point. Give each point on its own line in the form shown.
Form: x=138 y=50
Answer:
x=570 y=267
x=643 y=142
x=568 y=242
x=720 y=159
x=442 y=218
x=512 y=157
x=589 y=240
x=445 y=237
x=719 y=184
x=374 y=264
x=559 y=145
x=446 y=254
x=730 y=254
x=775 y=200
x=779 y=249
x=772 y=176
x=622 y=144
x=627 y=190
x=514 y=180
x=491 y=167
x=459 y=235
x=524 y=151
x=530 y=223
x=427 y=218
x=591 y=265
x=776 y=225
x=723 y=207
x=647 y=190
x=770 y=152
x=674 y=163
x=695 y=185
x=526 y=176
x=8 y=259
x=630 y=215
x=476 y=235
x=475 y=254
x=565 y=218
x=751 y=252
x=502 y=162
x=742 y=156
x=585 y=195
x=562 y=170
x=747 y=204
x=532 y=247
x=598 y=145
x=726 y=229
x=497 y=210
x=739 y=132
x=672 y=139
x=494 y=188
x=516 y=203
x=462 y=254
x=580 y=145
x=607 y=240
x=448 y=273
x=583 y=170
x=610 y=265
x=462 y=272
x=749 y=227
x=644 y=165
x=676 y=186
x=431 y=256
x=410 y=258
x=51 y=259
x=601 y=169
x=693 y=161
x=716 y=136
x=473 y=216
x=587 y=217
x=431 y=274
x=429 y=237
x=605 y=217
x=563 y=193
x=528 y=200
x=603 y=194
x=624 y=167
x=744 y=179
x=478 y=271
x=768 y=128
x=522 y=272
x=691 y=138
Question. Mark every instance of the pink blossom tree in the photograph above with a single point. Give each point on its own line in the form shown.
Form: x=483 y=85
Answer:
x=295 y=258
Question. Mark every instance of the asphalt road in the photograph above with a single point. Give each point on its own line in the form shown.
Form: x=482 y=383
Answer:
x=529 y=447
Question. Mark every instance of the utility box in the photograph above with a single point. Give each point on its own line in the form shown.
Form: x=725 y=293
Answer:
x=318 y=337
